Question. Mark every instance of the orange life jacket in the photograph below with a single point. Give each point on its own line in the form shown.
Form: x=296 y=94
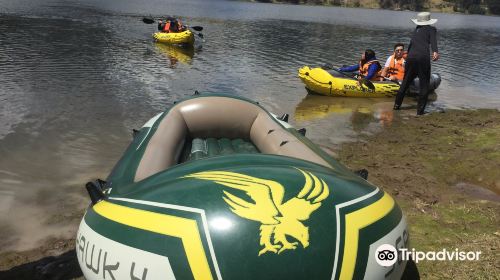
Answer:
x=363 y=69
x=166 y=27
x=396 y=68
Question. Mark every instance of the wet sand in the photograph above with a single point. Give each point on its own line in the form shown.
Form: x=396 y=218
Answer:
x=442 y=169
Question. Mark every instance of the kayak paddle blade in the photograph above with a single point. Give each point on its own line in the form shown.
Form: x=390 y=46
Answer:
x=368 y=84
x=327 y=66
x=148 y=20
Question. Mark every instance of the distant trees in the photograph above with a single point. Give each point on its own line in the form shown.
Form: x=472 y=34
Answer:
x=412 y=5
x=462 y=6
x=493 y=6
x=468 y=6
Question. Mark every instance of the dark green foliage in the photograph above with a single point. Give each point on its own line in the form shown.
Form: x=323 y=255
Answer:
x=476 y=9
x=468 y=6
x=413 y=5
x=386 y=4
x=283 y=1
x=463 y=6
x=493 y=6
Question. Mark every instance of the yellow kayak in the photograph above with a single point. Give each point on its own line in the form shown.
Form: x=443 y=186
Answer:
x=184 y=37
x=319 y=81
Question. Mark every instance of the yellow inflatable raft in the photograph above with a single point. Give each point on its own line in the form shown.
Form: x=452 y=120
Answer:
x=185 y=37
x=322 y=82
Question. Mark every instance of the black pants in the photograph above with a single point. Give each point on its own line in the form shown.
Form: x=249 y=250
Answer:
x=414 y=67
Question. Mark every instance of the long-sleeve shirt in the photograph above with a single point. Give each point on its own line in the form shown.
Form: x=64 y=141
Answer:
x=372 y=70
x=422 y=37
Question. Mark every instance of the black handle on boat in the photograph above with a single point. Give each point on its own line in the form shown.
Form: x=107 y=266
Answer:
x=367 y=83
x=95 y=190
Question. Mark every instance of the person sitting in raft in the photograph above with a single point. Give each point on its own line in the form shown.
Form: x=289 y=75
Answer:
x=171 y=25
x=394 y=68
x=368 y=67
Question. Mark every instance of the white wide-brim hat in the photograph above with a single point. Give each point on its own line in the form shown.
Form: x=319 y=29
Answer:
x=424 y=18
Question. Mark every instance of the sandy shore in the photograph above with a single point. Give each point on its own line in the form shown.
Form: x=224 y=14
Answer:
x=442 y=168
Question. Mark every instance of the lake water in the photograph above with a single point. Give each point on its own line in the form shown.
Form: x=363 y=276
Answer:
x=77 y=76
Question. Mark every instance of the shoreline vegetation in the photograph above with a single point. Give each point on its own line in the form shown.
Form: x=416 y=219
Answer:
x=480 y=7
x=442 y=169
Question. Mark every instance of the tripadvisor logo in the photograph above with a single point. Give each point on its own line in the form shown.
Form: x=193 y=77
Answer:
x=387 y=255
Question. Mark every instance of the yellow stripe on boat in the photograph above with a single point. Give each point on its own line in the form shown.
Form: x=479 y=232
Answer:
x=183 y=228
x=355 y=222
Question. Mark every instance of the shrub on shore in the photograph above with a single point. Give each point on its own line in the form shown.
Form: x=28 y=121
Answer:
x=460 y=6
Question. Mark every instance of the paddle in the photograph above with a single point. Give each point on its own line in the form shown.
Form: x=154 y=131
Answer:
x=387 y=79
x=364 y=81
x=150 y=20
x=200 y=35
x=198 y=29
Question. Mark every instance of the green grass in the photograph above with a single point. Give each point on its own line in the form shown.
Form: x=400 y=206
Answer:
x=418 y=161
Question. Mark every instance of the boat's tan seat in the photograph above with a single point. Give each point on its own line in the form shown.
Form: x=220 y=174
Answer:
x=218 y=117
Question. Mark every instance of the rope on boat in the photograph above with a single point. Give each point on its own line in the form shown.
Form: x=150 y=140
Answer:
x=329 y=82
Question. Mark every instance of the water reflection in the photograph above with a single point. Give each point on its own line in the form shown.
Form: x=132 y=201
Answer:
x=176 y=54
x=331 y=121
x=361 y=111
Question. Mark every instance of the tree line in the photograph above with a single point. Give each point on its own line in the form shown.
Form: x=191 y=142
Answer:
x=482 y=7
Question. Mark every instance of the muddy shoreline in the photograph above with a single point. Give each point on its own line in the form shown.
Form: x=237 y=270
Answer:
x=442 y=169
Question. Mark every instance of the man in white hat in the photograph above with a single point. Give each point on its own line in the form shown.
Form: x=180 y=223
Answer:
x=418 y=60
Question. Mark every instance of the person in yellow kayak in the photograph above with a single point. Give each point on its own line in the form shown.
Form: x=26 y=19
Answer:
x=171 y=25
x=394 y=67
x=368 y=66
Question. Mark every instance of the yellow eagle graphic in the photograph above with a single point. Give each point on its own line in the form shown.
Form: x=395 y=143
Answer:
x=278 y=219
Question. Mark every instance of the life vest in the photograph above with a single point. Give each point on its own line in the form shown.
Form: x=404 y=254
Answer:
x=396 y=68
x=166 y=27
x=363 y=69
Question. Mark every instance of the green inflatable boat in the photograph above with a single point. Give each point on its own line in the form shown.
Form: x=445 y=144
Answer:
x=217 y=187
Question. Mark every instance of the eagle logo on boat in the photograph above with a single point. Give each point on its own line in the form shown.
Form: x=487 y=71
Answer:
x=279 y=219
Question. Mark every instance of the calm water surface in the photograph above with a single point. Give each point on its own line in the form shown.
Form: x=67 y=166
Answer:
x=76 y=77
